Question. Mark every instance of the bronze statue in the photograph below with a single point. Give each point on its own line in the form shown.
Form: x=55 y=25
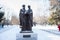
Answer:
x=21 y=16
x=29 y=19
x=26 y=18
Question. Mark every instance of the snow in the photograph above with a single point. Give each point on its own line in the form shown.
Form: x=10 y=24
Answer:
x=44 y=32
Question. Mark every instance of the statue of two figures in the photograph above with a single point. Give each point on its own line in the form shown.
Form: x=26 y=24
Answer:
x=26 y=19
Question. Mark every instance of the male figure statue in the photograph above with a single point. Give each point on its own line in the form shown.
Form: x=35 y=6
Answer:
x=22 y=20
x=29 y=19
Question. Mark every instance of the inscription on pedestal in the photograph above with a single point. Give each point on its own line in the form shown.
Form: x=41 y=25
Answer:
x=26 y=36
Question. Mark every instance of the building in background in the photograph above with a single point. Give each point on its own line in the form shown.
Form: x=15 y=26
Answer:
x=14 y=20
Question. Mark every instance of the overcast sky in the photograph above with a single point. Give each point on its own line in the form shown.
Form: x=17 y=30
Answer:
x=39 y=7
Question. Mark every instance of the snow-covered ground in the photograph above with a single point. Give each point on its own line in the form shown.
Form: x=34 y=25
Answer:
x=47 y=32
x=44 y=32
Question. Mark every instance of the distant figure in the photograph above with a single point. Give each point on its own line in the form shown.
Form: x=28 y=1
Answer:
x=29 y=19
x=1 y=17
x=0 y=7
x=21 y=17
x=59 y=27
x=34 y=23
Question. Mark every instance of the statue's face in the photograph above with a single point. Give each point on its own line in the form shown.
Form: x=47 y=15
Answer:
x=23 y=7
x=29 y=7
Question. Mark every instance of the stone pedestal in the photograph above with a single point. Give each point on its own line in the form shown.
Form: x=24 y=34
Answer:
x=27 y=36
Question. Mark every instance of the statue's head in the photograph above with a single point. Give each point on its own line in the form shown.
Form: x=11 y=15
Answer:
x=23 y=6
x=29 y=6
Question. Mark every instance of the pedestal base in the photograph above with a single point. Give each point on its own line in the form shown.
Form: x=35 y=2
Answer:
x=27 y=36
x=26 y=31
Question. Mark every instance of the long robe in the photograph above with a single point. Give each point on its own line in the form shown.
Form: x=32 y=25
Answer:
x=21 y=17
x=29 y=20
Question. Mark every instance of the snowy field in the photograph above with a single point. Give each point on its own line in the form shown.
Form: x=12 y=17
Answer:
x=44 y=32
